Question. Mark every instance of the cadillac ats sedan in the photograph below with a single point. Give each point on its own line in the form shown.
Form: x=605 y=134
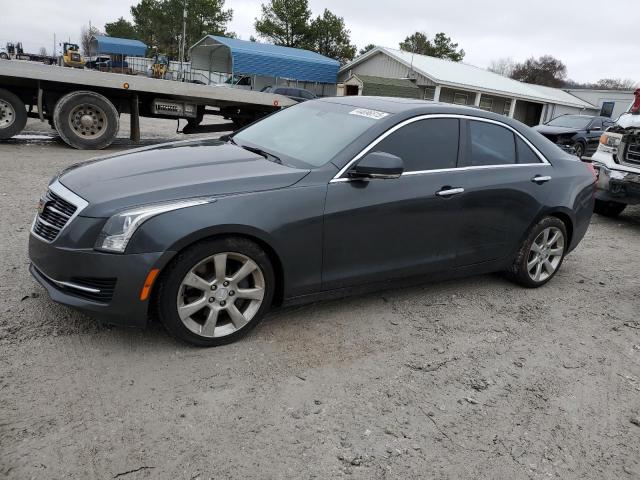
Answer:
x=324 y=198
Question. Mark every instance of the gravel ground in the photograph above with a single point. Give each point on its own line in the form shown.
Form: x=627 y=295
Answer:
x=473 y=378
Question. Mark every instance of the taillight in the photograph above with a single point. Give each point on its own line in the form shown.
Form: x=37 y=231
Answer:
x=593 y=171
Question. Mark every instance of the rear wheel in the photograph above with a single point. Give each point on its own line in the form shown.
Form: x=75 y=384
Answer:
x=216 y=291
x=608 y=209
x=86 y=120
x=579 y=148
x=541 y=254
x=13 y=114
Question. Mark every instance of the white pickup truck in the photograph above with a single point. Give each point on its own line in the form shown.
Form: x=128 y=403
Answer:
x=617 y=162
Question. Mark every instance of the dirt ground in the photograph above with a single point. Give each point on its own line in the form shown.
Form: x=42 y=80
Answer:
x=473 y=378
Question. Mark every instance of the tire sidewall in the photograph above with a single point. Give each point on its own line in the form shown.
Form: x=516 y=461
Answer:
x=171 y=280
x=20 y=110
x=520 y=264
x=61 y=120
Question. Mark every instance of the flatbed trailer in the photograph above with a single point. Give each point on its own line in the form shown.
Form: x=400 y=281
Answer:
x=84 y=106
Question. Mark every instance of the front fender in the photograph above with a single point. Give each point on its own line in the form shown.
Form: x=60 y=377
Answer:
x=288 y=221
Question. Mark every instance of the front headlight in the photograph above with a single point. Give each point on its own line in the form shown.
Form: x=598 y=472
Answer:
x=119 y=229
x=610 y=140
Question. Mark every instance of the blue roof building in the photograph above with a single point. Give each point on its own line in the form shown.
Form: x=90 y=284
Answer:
x=102 y=44
x=241 y=57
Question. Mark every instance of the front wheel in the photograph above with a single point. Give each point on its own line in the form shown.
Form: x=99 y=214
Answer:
x=608 y=209
x=541 y=254
x=579 y=149
x=216 y=291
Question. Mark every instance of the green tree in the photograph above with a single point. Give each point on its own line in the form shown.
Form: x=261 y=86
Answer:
x=329 y=37
x=440 y=47
x=285 y=22
x=365 y=49
x=546 y=70
x=121 y=28
x=159 y=22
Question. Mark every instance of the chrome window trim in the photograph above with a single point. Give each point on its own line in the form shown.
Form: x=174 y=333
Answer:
x=67 y=195
x=544 y=162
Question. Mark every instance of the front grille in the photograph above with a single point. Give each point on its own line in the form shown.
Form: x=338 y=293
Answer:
x=106 y=286
x=54 y=213
x=632 y=153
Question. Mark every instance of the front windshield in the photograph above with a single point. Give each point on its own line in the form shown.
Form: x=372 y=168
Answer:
x=570 y=121
x=311 y=132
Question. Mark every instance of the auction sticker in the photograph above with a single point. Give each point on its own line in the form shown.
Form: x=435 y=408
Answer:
x=365 y=112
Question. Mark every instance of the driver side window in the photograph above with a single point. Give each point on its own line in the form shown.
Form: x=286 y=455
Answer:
x=430 y=144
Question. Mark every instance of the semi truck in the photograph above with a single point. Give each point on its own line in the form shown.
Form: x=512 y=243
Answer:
x=84 y=106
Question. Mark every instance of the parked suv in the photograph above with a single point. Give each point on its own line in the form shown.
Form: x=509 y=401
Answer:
x=297 y=94
x=575 y=134
x=617 y=162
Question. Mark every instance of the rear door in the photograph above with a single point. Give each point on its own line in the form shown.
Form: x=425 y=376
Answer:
x=506 y=183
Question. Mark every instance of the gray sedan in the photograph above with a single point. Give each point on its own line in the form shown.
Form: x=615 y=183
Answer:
x=321 y=199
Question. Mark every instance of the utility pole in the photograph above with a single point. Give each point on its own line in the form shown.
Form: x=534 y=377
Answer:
x=54 y=46
x=184 y=33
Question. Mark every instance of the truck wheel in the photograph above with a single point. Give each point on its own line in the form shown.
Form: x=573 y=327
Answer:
x=4 y=56
x=86 y=120
x=13 y=114
x=608 y=209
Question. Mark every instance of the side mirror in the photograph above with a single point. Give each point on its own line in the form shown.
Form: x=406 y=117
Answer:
x=596 y=128
x=378 y=165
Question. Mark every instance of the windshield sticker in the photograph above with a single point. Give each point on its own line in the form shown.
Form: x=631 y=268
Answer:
x=365 y=112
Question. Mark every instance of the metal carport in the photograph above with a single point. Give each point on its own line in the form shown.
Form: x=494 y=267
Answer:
x=233 y=56
x=102 y=44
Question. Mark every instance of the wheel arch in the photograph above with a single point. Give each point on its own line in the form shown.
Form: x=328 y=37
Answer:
x=259 y=238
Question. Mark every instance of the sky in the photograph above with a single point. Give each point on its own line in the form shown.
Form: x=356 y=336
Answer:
x=594 y=39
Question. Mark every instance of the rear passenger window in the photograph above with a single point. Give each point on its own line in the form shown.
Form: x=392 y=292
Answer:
x=425 y=144
x=525 y=154
x=490 y=144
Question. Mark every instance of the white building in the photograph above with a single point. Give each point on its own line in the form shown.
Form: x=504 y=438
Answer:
x=463 y=84
x=612 y=103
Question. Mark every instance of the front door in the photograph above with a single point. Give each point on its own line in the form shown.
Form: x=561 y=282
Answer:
x=381 y=229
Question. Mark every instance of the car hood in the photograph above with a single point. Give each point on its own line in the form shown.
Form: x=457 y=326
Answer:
x=551 y=130
x=173 y=171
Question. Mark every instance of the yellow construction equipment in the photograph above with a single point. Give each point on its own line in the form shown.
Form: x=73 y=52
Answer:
x=71 y=56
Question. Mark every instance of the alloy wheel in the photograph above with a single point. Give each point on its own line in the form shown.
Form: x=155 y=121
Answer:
x=545 y=254
x=7 y=114
x=220 y=294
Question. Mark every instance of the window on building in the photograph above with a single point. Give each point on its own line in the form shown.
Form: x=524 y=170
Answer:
x=490 y=144
x=607 y=109
x=507 y=107
x=425 y=144
x=460 y=98
x=486 y=103
x=429 y=93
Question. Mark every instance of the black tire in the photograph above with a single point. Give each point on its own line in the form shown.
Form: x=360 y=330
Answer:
x=105 y=124
x=14 y=118
x=608 y=208
x=518 y=272
x=4 y=56
x=579 y=148
x=170 y=283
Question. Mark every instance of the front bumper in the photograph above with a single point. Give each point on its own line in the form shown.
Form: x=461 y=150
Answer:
x=617 y=185
x=72 y=277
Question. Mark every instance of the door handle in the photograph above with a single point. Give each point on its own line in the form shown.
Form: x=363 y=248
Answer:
x=448 y=192
x=540 y=179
